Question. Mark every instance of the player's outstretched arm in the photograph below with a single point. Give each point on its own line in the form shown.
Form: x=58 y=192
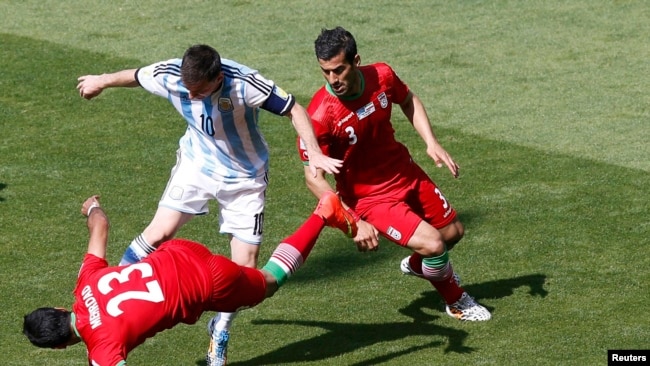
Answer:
x=415 y=112
x=90 y=86
x=98 y=226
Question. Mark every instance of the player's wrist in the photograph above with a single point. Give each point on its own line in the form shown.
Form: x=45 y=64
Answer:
x=94 y=205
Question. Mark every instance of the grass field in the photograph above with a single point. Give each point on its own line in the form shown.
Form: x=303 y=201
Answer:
x=544 y=104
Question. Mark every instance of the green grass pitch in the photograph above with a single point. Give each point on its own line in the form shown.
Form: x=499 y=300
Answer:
x=543 y=104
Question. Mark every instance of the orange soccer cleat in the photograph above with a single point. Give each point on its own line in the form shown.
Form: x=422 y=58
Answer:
x=330 y=208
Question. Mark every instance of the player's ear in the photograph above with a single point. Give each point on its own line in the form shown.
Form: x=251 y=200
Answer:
x=357 y=60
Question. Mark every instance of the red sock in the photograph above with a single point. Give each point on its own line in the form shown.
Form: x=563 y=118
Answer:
x=415 y=261
x=448 y=289
x=304 y=238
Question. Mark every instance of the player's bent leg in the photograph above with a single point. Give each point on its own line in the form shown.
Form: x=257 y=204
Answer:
x=437 y=269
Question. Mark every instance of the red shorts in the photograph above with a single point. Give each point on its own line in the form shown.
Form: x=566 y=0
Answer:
x=234 y=287
x=412 y=198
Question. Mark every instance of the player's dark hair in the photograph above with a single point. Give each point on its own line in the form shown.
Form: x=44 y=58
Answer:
x=47 y=327
x=200 y=63
x=331 y=42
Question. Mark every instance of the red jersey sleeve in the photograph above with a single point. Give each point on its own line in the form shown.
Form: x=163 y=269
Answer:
x=90 y=264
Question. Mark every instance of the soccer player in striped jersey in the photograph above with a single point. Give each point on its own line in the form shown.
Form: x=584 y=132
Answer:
x=118 y=308
x=388 y=193
x=222 y=156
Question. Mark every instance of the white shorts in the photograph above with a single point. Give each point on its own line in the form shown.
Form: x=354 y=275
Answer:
x=241 y=201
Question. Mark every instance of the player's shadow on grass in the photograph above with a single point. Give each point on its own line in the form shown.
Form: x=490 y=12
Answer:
x=485 y=290
x=2 y=186
x=341 y=338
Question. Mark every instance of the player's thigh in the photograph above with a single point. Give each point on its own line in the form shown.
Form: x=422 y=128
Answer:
x=241 y=208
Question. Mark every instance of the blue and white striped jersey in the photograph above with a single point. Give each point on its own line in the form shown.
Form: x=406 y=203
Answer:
x=222 y=137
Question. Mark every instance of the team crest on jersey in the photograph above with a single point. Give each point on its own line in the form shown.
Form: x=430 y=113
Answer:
x=280 y=93
x=365 y=111
x=394 y=233
x=225 y=104
x=383 y=101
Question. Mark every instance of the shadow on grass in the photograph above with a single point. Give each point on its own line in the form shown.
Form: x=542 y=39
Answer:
x=342 y=338
x=486 y=290
x=2 y=186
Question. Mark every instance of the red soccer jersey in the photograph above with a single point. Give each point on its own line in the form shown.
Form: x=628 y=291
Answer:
x=117 y=308
x=359 y=131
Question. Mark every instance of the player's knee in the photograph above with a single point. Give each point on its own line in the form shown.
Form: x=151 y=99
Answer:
x=243 y=253
x=452 y=233
x=432 y=248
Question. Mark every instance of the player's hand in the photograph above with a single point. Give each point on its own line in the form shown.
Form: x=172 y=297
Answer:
x=89 y=86
x=367 y=238
x=440 y=156
x=89 y=205
x=319 y=160
x=97 y=219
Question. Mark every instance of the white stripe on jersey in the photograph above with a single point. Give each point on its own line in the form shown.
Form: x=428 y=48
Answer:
x=222 y=136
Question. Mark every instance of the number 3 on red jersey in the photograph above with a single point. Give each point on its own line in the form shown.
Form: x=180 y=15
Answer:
x=351 y=135
x=153 y=293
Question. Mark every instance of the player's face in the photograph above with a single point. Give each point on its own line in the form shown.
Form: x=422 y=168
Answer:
x=204 y=89
x=342 y=77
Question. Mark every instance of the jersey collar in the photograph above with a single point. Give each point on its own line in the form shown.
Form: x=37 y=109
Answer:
x=73 y=321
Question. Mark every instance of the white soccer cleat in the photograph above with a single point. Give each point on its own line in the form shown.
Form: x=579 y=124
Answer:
x=211 y=324
x=466 y=308
x=218 y=350
x=406 y=269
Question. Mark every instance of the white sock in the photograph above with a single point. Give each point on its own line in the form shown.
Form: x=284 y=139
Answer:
x=223 y=321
